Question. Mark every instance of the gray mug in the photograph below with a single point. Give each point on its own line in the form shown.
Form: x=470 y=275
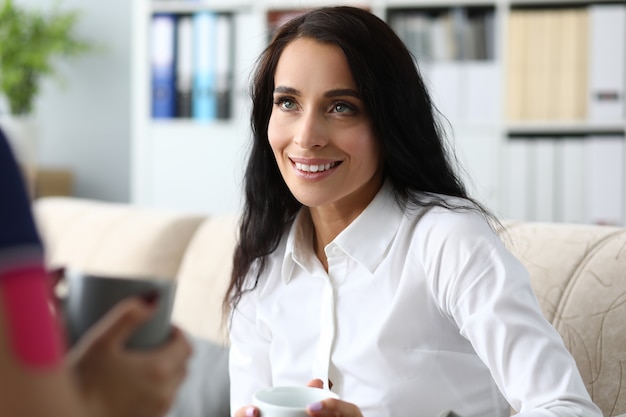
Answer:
x=90 y=297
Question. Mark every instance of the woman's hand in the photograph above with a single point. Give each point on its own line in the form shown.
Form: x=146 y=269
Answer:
x=118 y=382
x=330 y=407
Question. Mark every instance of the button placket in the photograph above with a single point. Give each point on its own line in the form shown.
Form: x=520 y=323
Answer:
x=337 y=264
x=327 y=333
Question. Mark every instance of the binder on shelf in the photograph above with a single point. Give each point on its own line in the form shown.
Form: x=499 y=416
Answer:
x=490 y=35
x=458 y=15
x=204 y=94
x=570 y=179
x=547 y=64
x=163 y=66
x=542 y=173
x=443 y=45
x=538 y=60
x=607 y=66
x=518 y=186
x=223 y=80
x=184 y=67
x=570 y=81
x=604 y=162
x=417 y=34
x=515 y=71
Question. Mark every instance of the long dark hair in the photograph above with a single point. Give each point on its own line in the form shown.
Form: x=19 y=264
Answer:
x=415 y=156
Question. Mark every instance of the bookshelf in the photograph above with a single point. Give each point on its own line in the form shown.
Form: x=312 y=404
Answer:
x=513 y=124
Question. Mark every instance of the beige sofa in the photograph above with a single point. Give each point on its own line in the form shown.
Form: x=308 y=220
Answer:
x=577 y=271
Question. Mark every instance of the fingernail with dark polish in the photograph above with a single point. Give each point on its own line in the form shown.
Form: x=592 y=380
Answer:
x=150 y=298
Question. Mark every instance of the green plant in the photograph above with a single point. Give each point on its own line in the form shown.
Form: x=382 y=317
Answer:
x=29 y=42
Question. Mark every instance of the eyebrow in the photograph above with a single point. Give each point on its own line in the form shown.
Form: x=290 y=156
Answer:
x=332 y=93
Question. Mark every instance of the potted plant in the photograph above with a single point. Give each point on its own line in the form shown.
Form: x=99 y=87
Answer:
x=30 y=42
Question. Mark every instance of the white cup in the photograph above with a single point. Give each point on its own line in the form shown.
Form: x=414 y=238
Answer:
x=288 y=401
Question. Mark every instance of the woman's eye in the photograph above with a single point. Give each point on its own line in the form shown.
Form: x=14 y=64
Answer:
x=342 y=108
x=286 y=103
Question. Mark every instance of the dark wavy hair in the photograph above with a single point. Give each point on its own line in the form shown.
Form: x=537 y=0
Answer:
x=415 y=157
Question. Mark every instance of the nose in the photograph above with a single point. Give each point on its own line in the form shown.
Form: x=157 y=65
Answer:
x=311 y=131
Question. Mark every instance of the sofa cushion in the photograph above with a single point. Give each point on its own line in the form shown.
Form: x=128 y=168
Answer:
x=578 y=273
x=203 y=278
x=109 y=238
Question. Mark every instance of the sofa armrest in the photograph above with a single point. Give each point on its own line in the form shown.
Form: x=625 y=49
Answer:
x=203 y=278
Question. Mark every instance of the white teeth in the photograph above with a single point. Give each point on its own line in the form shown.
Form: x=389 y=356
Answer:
x=314 y=168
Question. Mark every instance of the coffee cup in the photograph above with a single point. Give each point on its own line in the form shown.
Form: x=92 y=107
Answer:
x=288 y=401
x=89 y=297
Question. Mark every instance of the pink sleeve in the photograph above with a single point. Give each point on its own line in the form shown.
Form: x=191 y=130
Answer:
x=25 y=291
x=33 y=327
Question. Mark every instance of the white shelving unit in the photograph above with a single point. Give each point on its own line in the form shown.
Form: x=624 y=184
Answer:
x=199 y=166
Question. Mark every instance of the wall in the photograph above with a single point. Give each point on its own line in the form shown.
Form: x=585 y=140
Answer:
x=84 y=122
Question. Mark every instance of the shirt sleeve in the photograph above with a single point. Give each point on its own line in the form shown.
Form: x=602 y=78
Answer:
x=249 y=363
x=25 y=292
x=487 y=292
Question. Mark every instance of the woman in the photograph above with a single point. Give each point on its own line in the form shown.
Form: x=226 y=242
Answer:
x=363 y=265
x=98 y=377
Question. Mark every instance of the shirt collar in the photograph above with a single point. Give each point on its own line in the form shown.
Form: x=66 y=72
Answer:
x=365 y=240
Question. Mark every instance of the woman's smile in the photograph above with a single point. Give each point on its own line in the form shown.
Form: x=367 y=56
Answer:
x=309 y=167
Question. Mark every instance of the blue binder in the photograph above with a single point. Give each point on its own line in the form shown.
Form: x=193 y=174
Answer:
x=163 y=66
x=204 y=80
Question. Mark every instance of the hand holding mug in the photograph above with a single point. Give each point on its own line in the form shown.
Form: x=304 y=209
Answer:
x=122 y=382
x=298 y=401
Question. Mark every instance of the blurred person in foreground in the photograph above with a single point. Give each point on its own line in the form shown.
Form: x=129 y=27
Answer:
x=98 y=377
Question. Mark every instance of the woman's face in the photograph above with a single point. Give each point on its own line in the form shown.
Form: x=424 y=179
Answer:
x=319 y=130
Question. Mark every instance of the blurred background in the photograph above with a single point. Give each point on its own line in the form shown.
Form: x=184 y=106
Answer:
x=532 y=93
x=83 y=123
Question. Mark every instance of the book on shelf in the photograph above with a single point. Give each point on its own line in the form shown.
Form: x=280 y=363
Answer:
x=455 y=49
x=162 y=63
x=515 y=73
x=413 y=28
x=443 y=43
x=607 y=23
x=451 y=34
x=566 y=63
x=571 y=68
x=541 y=52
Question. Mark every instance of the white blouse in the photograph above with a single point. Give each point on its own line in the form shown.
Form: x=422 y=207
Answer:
x=419 y=312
